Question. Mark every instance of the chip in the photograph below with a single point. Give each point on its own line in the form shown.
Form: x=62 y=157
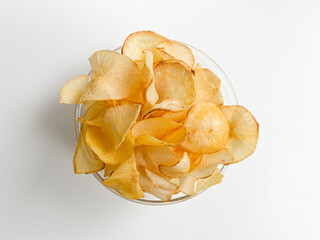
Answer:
x=108 y=169
x=209 y=162
x=137 y=42
x=151 y=93
x=208 y=86
x=187 y=184
x=117 y=122
x=114 y=76
x=104 y=148
x=214 y=179
x=177 y=51
x=244 y=131
x=175 y=85
x=140 y=64
x=72 y=91
x=125 y=180
x=88 y=104
x=160 y=181
x=94 y=114
x=177 y=170
x=85 y=161
x=207 y=129
x=155 y=127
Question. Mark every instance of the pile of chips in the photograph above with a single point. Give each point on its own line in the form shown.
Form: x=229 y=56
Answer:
x=155 y=120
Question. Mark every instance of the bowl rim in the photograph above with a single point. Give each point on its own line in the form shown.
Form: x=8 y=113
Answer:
x=77 y=126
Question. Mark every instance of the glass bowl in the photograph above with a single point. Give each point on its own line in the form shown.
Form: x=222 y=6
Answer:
x=229 y=98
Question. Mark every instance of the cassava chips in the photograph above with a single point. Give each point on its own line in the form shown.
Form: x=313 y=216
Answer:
x=154 y=120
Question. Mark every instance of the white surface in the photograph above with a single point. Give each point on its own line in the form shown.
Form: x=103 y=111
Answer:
x=269 y=49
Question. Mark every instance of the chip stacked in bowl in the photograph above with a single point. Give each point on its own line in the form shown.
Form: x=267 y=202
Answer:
x=155 y=120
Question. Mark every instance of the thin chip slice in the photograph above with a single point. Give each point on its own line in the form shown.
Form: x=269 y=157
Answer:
x=244 y=131
x=176 y=116
x=147 y=72
x=147 y=186
x=103 y=147
x=146 y=139
x=176 y=137
x=108 y=169
x=94 y=114
x=88 y=104
x=114 y=76
x=140 y=64
x=210 y=162
x=207 y=129
x=72 y=91
x=178 y=51
x=155 y=127
x=195 y=160
x=214 y=179
x=175 y=85
x=117 y=122
x=208 y=86
x=137 y=42
x=177 y=170
x=85 y=161
x=160 y=181
x=187 y=184
x=125 y=180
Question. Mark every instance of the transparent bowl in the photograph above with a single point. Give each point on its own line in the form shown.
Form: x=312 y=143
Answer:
x=229 y=98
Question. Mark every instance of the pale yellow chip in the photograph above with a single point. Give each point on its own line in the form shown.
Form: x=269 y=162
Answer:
x=208 y=86
x=103 y=147
x=72 y=91
x=177 y=51
x=155 y=127
x=108 y=169
x=148 y=75
x=207 y=129
x=117 y=122
x=244 y=131
x=160 y=181
x=210 y=162
x=125 y=180
x=187 y=184
x=94 y=114
x=205 y=183
x=176 y=116
x=175 y=85
x=114 y=76
x=85 y=161
x=140 y=64
x=147 y=186
x=195 y=160
x=137 y=42
x=177 y=170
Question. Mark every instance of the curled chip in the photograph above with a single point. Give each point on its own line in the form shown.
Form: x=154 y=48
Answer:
x=244 y=131
x=155 y=127
x=114 y=76
x=214 y=179
x=85 y=161
x=72 y=91
x=94 y=114
x=125 y=180
x=207 y=129
x=160 y=181
x=117 y=122
x=187 y=184
x=137 y=42
x=108 y=169
x=209 y=162
x=151 y=93
x=177 y=51
x=177 y=170
x=104 y=148
x=175 y=84
x=208 y=86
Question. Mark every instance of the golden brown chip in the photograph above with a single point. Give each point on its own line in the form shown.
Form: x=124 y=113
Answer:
x=175 y=85
x=208 y=86
x=125 y=180
x=72 y=91
x=207 y=129
x=195 y=160
x=85 y=161
x=103 y=147
x=177 y=170
x=155 y=127
x=88 y=104
x=108 y=169
x=205 y=183
x=187 y=184
x=177 y=51
x=114 y=76
x=137 y=42
x=244 y=131
x=117 y=122
x=210 y=162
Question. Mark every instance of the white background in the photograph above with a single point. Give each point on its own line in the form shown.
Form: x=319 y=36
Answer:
x=269 y=49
